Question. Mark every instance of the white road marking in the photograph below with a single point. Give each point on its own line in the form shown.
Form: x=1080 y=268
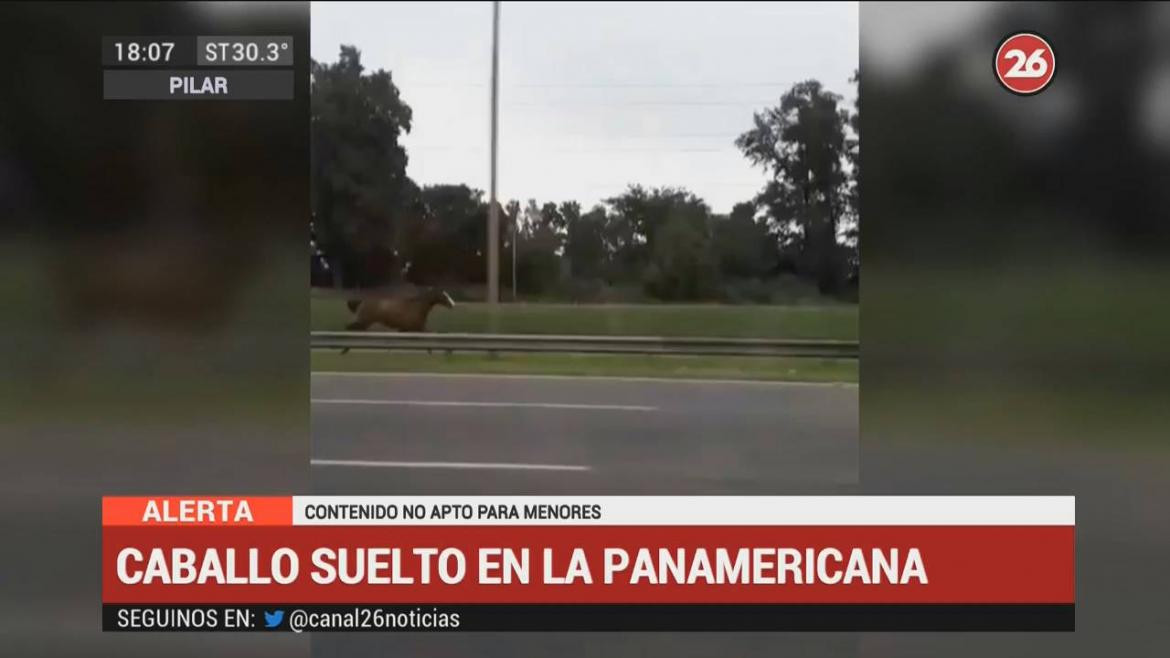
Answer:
x=473 y=403
x=655 y=380
x=456 y=465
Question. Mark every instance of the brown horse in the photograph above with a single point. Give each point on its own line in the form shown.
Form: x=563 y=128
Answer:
x=401 y=313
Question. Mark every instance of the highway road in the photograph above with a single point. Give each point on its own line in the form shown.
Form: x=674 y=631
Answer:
x=384 y=433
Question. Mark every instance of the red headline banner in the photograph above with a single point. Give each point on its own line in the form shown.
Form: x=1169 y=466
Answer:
x=588 y=550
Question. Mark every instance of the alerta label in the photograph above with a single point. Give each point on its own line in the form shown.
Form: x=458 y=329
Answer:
x=227 y=510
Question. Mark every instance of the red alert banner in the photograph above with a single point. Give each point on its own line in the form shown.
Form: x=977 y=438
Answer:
x=588 y=563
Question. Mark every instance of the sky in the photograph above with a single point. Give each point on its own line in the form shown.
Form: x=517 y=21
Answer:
x=593 y=96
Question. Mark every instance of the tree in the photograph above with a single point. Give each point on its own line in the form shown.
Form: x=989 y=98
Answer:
x=538 y=265
x=681 y=265
x=360 y=190
x=551 y=219
x=541 y=238
x=585 y=245
x=510 y=237
x=801 y=143
x=744 y=247
x=851 y=230
x=569 y=212
x=447 y=241
x=638 y=214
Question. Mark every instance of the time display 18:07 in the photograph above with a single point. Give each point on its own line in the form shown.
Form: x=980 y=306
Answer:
x=143 y=52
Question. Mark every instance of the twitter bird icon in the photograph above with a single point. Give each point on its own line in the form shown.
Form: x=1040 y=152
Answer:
x=273 y=619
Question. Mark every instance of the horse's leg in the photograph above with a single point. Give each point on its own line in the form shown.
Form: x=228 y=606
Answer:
x=356 y=325
x=420 y=329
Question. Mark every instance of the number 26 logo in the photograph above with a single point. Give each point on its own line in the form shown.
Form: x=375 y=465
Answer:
x=1025 y=63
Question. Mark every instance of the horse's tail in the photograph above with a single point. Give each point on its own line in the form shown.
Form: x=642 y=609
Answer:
x=353 y=305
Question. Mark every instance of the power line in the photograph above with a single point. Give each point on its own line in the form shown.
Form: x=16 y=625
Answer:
x=436 y=147
x=544 y=139
x=570 y=103
x=647 y=85
x=602 y=85
x=694 y=185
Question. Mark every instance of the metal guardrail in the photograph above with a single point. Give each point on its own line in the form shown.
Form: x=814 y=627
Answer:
x=835 y=349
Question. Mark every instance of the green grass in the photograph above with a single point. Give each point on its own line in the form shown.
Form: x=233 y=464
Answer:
x=582 y=365
x=732 y=321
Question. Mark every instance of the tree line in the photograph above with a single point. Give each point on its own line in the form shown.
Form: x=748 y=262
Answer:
x=372 y=225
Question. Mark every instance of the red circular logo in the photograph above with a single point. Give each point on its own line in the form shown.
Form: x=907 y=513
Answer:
x=1025 y=63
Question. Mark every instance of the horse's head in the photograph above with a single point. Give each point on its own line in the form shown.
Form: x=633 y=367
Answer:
x=440 y=297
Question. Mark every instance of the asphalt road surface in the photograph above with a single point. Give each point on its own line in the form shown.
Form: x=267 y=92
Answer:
x=486 y=434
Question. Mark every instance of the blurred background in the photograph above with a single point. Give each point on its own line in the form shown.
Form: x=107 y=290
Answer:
x=152 y=296
x=1014 y=317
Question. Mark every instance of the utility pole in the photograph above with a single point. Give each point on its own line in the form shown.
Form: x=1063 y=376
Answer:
x=493 y=233
x=515 y=239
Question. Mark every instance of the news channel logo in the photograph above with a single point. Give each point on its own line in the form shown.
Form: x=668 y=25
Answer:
x=1025 y=63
